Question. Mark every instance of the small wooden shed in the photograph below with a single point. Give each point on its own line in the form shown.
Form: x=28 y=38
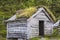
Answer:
x=30 y=22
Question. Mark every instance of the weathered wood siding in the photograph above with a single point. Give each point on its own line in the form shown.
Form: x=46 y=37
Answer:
x=17 y=29
x=33 y=25
x=32 y=28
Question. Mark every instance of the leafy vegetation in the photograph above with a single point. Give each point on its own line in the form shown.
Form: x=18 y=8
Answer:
x=55 y=32
x=9 y=7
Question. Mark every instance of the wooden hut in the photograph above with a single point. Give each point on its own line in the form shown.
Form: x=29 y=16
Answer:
x=30 y=22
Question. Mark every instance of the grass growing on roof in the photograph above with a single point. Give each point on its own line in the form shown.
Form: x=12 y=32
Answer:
x=50 y=13
x=28 y=12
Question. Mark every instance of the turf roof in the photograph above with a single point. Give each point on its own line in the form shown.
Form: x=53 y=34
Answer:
x=28 y=12
x=50 y=13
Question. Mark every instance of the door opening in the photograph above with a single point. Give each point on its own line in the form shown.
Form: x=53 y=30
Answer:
x=41 y=28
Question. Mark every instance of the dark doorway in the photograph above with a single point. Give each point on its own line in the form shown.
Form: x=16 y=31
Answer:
x=41 y=28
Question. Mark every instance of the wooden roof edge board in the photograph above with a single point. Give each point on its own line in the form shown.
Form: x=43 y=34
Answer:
x=50 y=13
x=13 y=20
x=48 y=16
x=35 y=14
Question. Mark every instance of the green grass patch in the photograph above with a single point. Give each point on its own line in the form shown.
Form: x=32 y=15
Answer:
x=35 y=38
x=46 y=38
x=2 y=38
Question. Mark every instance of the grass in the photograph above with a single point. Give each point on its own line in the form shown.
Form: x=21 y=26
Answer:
x=2 y=38
x=46 y=38
x=28 y=12
x=35 y=38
